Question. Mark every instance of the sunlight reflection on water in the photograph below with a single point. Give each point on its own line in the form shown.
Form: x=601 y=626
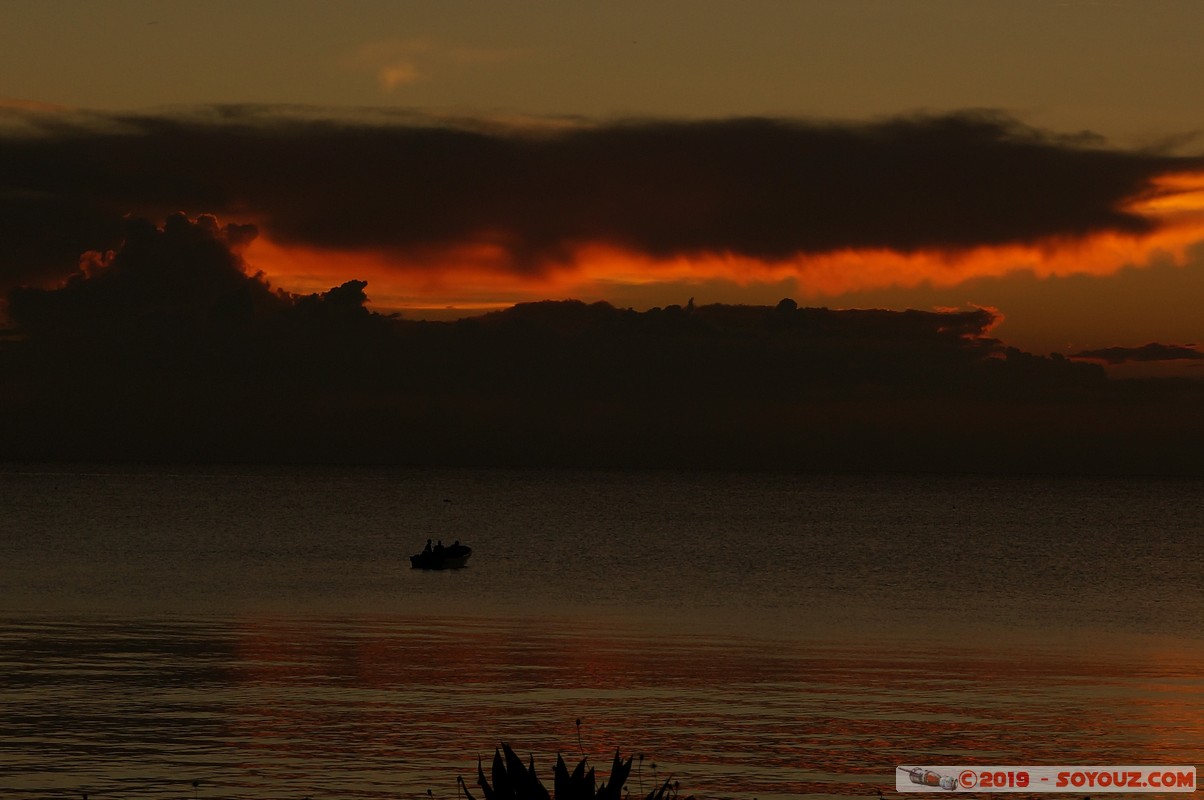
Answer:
x=754 y=635
x=280 y=707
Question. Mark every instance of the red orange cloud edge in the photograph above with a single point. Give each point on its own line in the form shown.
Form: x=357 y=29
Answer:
x=475 y=276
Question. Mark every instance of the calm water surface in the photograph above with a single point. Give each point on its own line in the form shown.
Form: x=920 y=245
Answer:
x=754 y=635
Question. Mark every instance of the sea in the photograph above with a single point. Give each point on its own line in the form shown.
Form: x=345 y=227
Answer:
x=258 y=632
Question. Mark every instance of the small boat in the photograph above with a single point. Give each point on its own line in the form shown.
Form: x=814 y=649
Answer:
x=440 y=557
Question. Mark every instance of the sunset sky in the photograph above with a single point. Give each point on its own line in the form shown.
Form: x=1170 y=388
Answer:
x=1039 y=159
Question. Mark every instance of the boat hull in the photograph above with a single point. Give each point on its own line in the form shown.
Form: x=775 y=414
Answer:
x=451 y=558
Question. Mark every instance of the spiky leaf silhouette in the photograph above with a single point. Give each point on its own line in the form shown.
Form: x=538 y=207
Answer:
x=577 y=786
x=619 y=770
x=513 y=780
x=560 y=780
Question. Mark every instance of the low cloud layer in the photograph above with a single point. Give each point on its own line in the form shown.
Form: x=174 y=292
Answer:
x=1146 y=353
x=754 y=188
x=179 y=297
x=166 y=349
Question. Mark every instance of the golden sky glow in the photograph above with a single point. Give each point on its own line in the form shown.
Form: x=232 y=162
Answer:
x=1117 y=68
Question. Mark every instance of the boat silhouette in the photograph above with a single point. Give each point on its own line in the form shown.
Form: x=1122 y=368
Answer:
x=440 y=557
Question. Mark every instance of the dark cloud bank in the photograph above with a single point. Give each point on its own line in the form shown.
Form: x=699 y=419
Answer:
x=765 y=188
x=1148 y=352
x=168 y=351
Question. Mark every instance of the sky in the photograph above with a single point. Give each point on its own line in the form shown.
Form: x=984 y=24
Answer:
x=1042 y=160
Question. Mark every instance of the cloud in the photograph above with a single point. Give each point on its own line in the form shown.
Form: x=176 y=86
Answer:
x=527 y=202
x=394 y=63
x=177 y=293
x=400 y=62
x=1149 y=352
x=186 y=280
x=167 y=349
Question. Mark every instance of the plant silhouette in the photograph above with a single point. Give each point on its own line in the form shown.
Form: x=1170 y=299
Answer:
x=513 y=780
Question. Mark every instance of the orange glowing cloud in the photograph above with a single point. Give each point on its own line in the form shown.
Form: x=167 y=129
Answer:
x=470 y=277
x=482 y=275
x=476 y=213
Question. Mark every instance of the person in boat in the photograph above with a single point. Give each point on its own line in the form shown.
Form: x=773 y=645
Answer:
x=427 y=549
x=439 y=548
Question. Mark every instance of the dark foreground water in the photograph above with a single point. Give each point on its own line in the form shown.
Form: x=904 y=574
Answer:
x=765 y=636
